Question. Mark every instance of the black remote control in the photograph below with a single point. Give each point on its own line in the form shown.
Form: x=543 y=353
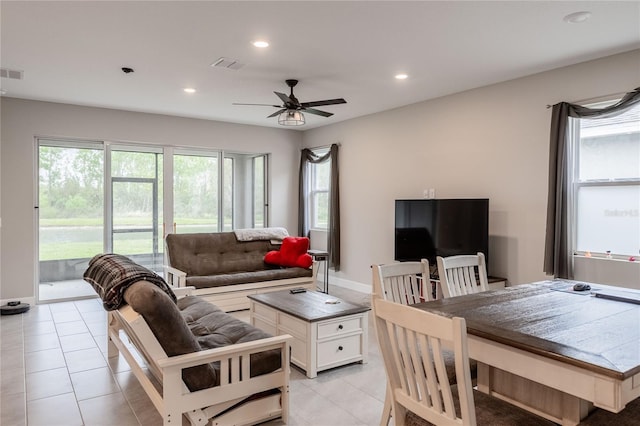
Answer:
x=297 y=290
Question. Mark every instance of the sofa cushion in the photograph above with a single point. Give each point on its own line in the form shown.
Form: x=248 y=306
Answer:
x=165 y=321
x=247 y=277
x=216 y=253
x=213 y=328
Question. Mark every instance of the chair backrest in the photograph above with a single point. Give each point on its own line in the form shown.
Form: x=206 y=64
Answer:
x=412 y=343
x=404 y=282
x=460 y=275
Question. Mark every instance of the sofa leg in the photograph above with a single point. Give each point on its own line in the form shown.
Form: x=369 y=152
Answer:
x=112 y=350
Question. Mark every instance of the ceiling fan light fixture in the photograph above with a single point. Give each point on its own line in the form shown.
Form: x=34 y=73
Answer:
x=291 y=117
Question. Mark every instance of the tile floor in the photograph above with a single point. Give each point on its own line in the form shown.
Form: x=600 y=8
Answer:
x=54 y=371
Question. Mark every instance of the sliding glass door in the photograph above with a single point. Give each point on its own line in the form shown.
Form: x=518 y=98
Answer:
x=135 y=219
x=70 y=216
x=99 y=197
x=196 y=185
x=259 y=169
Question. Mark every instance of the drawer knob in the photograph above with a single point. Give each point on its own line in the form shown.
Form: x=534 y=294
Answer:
x=339 y=348
x=340 y=327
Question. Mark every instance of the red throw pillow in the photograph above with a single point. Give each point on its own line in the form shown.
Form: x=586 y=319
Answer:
x=292 y=253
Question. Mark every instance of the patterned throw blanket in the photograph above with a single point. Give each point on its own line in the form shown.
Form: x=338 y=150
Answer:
x=111 y=274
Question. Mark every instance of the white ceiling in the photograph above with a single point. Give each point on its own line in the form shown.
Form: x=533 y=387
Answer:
x=72 y=52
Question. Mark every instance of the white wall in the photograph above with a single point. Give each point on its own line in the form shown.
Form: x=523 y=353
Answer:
x=22 y=120
x=489 y=142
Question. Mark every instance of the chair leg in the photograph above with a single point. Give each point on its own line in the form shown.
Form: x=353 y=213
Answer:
x=386 y=410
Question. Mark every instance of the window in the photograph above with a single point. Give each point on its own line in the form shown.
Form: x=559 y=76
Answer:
x=196 y=185
x=319 y=193
x=605 y=192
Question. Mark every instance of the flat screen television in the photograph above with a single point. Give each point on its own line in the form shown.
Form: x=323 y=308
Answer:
x=428 y=228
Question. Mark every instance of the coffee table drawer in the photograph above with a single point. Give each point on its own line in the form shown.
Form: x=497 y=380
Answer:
x=339 y=350
x=341 y=326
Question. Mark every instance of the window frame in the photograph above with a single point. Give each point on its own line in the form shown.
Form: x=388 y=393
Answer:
x=315 y=191
x=575 y=184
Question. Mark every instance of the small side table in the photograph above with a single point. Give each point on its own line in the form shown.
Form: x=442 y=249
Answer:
x=322 y=256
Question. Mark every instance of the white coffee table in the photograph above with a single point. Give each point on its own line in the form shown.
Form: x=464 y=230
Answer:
x=326 y=335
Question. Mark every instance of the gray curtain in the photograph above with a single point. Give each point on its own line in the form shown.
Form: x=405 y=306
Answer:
x=557 y=259
x=333 y=234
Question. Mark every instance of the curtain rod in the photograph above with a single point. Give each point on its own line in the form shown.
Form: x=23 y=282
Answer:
x=598 y=99
x=325 y=146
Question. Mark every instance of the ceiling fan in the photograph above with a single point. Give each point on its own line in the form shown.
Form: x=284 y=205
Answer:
x=290 y=112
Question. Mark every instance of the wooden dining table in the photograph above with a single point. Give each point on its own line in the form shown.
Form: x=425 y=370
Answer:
x=549 y=349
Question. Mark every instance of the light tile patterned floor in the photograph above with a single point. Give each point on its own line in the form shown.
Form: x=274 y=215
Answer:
x=54 y=371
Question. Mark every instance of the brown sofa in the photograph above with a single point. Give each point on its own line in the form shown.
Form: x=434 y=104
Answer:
x=225 y=271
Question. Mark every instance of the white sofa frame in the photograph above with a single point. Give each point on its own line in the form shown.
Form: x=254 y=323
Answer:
x=174 y=398
x=234 y=297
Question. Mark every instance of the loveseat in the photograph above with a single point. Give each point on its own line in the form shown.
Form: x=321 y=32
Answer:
x=225 y=269
x=208 y=364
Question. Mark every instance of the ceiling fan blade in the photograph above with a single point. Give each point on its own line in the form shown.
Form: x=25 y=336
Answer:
x=326 y=102
x=284 y=98
x=275 y=106
x=277 y=113
x=317 y=112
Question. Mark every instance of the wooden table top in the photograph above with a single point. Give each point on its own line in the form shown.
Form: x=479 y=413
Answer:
x=309 y=306
x=549 y=319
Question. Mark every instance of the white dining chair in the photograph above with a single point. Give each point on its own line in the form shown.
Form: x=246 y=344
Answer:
x=405 y=283
x=464 y=274
x=412 y=342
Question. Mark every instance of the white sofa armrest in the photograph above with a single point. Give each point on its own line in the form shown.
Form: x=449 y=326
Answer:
x=175 y=277
x=181 y=292
x=212 y=355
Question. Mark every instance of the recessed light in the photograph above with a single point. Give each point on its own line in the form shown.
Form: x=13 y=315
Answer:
x=577 y=17
x=189 y=90
x=260 y=43
x=401 y=76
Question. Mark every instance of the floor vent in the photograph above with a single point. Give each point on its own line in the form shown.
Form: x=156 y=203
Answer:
x=230 y=64
x=14 y=74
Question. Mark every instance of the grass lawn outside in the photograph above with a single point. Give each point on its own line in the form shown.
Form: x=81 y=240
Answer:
x=79 y=238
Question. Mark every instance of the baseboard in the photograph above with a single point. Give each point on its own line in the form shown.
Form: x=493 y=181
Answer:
x=348 y=284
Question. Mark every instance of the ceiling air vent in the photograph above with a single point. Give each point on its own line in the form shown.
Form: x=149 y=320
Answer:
x=14 y=74
x=230 y=64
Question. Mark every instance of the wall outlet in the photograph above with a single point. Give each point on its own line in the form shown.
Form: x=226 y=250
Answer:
x=425 y=194
x=432 y=193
